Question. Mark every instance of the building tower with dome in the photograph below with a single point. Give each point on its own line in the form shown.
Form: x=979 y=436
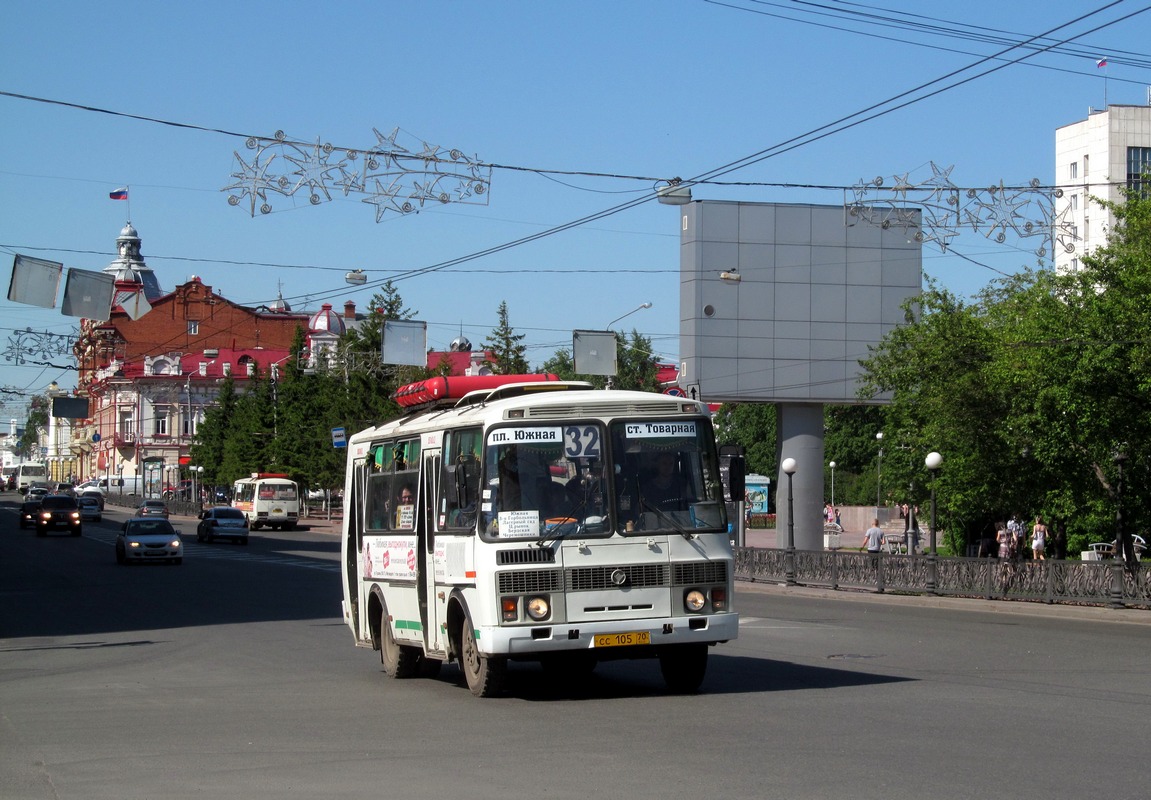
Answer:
x=152 y=368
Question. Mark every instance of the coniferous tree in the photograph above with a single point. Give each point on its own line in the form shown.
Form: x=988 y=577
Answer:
x=208 y=448
x=507 y=346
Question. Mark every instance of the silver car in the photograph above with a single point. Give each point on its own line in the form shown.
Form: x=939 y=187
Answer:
x=223 y=522
x=89 y=508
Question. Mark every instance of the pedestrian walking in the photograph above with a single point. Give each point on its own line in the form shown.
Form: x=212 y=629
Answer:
x=1038 y=539
x=873 y=540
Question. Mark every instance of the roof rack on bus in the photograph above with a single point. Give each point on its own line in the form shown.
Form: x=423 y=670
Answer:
x=449 y=391
x=480 y=396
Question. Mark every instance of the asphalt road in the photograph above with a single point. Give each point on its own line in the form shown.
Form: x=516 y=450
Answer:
x=232 y=676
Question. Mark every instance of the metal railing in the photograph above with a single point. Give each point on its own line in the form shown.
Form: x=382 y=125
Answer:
x=1106 y=583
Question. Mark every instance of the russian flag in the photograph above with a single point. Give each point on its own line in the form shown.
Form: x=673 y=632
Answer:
x=119 y=194
x=1101 y=62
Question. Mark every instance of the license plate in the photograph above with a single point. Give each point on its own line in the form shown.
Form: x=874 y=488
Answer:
x=623 y=639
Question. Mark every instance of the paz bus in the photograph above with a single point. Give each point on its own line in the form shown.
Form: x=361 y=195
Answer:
x=28 y=474
x=508 y=518
x=268 y=499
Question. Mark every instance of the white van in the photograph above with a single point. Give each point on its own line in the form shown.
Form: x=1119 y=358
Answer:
x=133 y=484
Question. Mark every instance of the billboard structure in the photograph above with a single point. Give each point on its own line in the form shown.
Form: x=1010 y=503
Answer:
x=778 y=304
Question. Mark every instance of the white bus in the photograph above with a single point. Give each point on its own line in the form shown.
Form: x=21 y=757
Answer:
x=29 y=474
x=539 y=521
x=268 y=499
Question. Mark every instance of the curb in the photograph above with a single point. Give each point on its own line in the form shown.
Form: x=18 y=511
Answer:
x=1062 y=611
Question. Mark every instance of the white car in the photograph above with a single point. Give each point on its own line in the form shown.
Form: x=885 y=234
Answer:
x=148 y=539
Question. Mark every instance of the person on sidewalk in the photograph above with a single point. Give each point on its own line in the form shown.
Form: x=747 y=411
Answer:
x=873 y=540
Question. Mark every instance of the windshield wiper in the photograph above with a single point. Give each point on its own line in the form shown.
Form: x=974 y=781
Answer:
x=664 y=517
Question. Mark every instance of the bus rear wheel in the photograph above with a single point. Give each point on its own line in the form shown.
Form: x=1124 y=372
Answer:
x=484 y=674
x=683 y=667
x=399 y=660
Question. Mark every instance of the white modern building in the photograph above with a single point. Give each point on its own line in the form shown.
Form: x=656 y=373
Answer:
x=1094 y=158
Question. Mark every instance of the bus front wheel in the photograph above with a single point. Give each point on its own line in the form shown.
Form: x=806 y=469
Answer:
x=484 y=674
x=683 y=667
x=399 y=661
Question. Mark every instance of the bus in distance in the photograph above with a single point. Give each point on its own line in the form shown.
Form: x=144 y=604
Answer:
x=537 y=520
x=268 y=499
x=29 y=474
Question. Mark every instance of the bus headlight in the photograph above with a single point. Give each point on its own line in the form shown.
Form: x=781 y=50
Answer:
x=538 y=608
x=694 y=600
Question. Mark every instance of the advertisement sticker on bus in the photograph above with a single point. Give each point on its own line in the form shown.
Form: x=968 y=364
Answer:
x=389 y=558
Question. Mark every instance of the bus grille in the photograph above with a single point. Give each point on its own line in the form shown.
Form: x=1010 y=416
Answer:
x=533 y=555
x=524 y=581
x=696 y=572
x=636 y=575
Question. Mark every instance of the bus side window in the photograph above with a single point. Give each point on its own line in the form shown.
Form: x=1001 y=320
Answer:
x=459 y=487
x=377 y=502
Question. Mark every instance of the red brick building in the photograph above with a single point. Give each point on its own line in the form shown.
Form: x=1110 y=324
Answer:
x=152 y=368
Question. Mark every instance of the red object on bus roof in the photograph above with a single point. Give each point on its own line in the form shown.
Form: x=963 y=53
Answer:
x=453 y=388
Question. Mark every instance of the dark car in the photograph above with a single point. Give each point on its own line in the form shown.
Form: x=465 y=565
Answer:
x=152 y=508
x=58 y=512
x=223 y=522
x=29 y=511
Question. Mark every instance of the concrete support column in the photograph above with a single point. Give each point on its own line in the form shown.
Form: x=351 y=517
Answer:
x=800 y=429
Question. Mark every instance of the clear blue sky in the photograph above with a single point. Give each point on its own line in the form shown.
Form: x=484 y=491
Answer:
x=641 y=90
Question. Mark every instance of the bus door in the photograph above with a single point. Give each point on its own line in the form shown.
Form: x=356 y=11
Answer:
x=354 y=531
x=425 y=542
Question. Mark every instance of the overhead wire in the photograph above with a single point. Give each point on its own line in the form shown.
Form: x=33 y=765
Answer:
x=816 y=134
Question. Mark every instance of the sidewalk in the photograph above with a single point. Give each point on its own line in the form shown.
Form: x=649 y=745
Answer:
x=1060 y=611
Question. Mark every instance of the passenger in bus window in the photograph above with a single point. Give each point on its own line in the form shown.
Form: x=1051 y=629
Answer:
x=405 y=515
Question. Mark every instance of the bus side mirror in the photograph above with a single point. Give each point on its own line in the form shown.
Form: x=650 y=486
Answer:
x=737 y=478
x=467 y=476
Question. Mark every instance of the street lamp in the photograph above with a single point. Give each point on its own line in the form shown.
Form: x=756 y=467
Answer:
x=878 y=473
x=832 y=465
x=789 y=468
x=640 y=307
x=933 y=461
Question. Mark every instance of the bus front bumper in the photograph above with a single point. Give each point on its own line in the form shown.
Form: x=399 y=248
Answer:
x=607 y=636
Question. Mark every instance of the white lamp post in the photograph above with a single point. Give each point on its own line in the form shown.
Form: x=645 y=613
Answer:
x=878 y=474
x=789 y=467
x=933 y=461
x=832 y=465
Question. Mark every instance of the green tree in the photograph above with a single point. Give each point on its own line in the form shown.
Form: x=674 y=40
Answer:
x=208 y=448
x=754 y=427
x=507 y=347
x=637 y=368
x=306 y=411
x=1036 y=394
x=28 y=446
x=248 y=444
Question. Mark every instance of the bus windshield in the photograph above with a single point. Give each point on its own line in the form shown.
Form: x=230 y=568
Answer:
x=665 y=478
x=642 y=477
x=544 y=480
